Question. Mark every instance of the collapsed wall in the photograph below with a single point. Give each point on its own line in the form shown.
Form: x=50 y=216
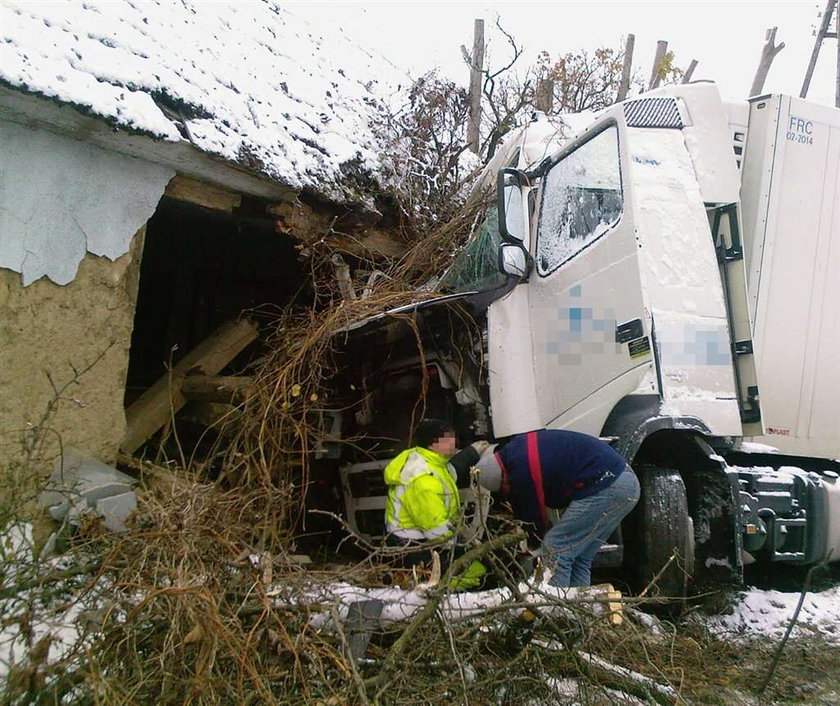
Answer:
x=50 y=331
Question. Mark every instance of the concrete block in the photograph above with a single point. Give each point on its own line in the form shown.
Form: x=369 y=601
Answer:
x=116 y=509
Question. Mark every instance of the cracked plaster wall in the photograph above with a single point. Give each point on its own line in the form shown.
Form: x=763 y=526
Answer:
x=50 y=330
x=72 y=220
x=61 y=198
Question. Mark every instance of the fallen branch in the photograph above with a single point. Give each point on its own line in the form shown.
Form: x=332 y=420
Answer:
x=436 y=595
x=49 y=579
x=656 y=578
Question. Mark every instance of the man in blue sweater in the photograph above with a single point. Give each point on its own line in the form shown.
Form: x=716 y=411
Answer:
x=552 y=468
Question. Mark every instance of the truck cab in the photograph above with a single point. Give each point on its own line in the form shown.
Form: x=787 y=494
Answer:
x=639 y=295
x=629 y=270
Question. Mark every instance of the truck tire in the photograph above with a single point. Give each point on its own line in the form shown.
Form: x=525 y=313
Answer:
x=665 y=529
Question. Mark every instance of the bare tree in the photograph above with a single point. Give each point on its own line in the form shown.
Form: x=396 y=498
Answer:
x=425 y=140
x=426 y=137
x=506 y=96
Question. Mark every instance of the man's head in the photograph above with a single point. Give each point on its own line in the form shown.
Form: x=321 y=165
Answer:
x=490 y=475
x=436 y=435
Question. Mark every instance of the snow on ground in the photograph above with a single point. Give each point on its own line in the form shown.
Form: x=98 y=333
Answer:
x=766 y=613
x=755 y=447
x=572 y=692
x=246 y=81
x=51 y=616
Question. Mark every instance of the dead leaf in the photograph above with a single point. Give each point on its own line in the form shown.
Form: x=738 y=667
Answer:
x=194 y=635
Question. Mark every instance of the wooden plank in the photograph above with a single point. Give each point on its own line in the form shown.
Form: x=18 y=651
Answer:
x=184 y=188
x=156 y=406
x=216 y=388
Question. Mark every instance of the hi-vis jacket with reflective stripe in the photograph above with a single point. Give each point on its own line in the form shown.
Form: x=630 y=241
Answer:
x=423 y=501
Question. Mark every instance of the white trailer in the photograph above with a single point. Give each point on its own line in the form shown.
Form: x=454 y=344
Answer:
x=790 y=191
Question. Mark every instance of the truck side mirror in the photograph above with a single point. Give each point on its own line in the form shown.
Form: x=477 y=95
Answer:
x=514 y=260
x=512 y=205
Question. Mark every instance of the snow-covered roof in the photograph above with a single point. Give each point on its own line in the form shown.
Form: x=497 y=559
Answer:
x=246 y=81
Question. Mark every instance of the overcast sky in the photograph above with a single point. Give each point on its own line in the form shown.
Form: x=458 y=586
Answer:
x=725 y=37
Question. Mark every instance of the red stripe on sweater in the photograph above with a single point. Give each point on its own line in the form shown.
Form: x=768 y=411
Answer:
x=505 y=483
x=536 y=474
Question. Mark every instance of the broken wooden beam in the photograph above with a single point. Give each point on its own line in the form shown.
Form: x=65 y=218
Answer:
x=200 y=193
x=310 y=227
x=162 y=400
x=216 y=388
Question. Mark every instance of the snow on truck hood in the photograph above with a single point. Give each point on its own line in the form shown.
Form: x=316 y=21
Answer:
x=247 y=82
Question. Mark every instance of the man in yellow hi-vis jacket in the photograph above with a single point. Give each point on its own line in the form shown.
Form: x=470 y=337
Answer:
x=423 y=505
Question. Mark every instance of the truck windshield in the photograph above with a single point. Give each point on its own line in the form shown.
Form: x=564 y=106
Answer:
x=476 y=266
x=581 y=200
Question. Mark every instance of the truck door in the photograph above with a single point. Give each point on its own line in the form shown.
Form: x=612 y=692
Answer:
x=590 y=332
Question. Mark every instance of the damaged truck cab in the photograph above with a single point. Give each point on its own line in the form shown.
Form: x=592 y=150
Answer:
x=637 y=308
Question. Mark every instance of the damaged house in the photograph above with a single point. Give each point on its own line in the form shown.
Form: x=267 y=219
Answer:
x=153 y=189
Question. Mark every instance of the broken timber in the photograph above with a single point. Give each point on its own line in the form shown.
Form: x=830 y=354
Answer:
x=157 y=405
x=216 y=388
x=184 y=188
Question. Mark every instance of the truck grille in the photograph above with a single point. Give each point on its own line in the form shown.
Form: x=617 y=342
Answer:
x=653 y=112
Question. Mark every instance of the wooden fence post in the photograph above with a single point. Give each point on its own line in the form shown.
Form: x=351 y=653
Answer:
x=689 y=72
x=627 y=67
x=655 y=75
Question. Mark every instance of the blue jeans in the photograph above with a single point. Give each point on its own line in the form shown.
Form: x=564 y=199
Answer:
x=571 y=544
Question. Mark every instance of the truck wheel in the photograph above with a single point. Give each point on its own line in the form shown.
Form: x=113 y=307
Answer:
x=665 y=530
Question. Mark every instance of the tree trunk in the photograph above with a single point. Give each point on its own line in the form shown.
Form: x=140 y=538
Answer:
x=768 y=53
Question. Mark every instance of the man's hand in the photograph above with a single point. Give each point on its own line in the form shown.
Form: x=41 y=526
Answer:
x=480 y=446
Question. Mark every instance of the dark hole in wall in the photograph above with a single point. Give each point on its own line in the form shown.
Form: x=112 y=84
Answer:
x=199 y=269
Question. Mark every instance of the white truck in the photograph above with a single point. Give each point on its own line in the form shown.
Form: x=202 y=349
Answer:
x=670 y=282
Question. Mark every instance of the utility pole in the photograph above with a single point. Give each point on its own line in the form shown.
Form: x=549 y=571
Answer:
x=476 y=71
x=823 y=34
